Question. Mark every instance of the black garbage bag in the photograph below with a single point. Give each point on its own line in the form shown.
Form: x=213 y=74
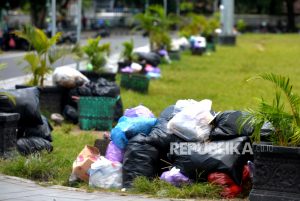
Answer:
x=27 y=105
x=151 y=58
x=159 y=135
x=266 y=131
x=118 y=109
x=104 y=87
x=70 y=113
x=140 y=159
x=217 y=156
x=43 y=131
x=31 y=145
x=227 y=125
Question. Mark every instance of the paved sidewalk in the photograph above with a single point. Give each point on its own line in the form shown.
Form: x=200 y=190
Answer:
x=17 y=189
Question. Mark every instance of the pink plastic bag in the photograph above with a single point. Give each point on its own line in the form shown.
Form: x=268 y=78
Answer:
x=174 y=177
x=113 y=153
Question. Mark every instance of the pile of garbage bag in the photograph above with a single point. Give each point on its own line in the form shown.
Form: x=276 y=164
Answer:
x=102 y=87
x=34 y=129
x=147 y=64
x=189 y=138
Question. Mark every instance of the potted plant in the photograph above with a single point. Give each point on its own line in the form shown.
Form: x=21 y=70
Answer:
x=277 y=163
x=127 y=55
x=40 y=64
x=97 y=57
x=209 y=32
x=156 y=24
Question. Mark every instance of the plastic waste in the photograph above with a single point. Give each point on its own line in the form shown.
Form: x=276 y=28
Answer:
x=70 y=114
x=68 y=77
x=139 y=111
x=43 y=131
x=193 y=122
x=140 y=159
x=129 y=127
x=230 y=189
x=26 y=146
x=105 y=174
x=27 y=105
x=174 y=177
x=113 y=153
x=228 y=125
x=149 y=57
x=228 y=156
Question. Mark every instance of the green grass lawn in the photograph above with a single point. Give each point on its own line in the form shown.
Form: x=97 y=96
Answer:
x=220 y=77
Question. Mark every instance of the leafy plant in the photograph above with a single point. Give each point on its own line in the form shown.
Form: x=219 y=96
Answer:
x=156 y=24
x=286 y=123
x=8 y=95
x=127 y=53
x=192 y=24
x=241 y=25
x=96 y=53
x=41 y=60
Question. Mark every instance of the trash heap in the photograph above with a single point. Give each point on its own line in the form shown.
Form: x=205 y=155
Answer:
x=79 y=86
x=147 y=64
x=188 y=135
x=34 y=129
x=100 y=88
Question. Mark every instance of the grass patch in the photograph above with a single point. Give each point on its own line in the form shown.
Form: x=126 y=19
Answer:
x=54 y=168
x=220 y=77
x=159 y=188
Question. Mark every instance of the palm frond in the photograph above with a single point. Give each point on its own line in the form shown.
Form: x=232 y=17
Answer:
x=9 y=96
x=284 y=84
x=285 y=123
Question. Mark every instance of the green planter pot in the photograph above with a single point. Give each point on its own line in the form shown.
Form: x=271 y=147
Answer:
x=135 y=82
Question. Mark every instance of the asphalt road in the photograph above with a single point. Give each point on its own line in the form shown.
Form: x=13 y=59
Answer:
x=15 y=66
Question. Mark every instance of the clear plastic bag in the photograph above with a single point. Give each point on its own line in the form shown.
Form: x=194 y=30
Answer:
x=105 y=174
x=193 y=122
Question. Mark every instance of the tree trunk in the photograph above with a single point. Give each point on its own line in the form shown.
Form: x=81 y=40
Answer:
x=290 y=15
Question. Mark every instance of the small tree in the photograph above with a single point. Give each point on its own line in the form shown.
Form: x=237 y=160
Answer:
x=41 y=60
x=96 y=53
x=156 y=24
x=127 y=53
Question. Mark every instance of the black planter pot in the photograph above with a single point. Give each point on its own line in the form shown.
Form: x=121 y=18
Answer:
x=52 y=98
x=227 y=40
x=277 y=173
x=94 y=76
x=8 y=133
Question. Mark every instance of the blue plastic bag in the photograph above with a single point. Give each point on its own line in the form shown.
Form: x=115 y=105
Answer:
x=129 y=127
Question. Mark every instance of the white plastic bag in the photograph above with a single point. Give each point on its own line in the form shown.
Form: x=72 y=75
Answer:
x=105 y=174
x=68 y=77
x=193 y=122
x=181 y=104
